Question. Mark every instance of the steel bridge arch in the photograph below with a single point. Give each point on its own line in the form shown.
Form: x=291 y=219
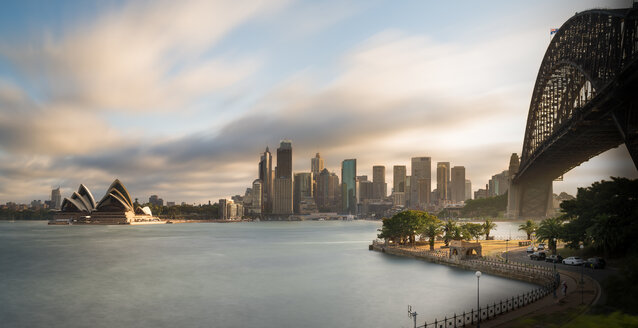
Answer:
x=598 y=44
x=584 y=102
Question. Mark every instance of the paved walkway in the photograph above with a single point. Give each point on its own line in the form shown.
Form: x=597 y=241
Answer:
x=549 y=304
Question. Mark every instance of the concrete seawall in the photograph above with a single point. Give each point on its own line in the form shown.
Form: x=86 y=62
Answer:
x=532 y=274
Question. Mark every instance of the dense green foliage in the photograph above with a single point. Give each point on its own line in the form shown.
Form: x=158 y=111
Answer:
x=483 y=207
x=550 y=230
x=191 y=212
x=604 y=216
x=471 y=231
x=41 y=214
x=404 y=226
x=529 y=227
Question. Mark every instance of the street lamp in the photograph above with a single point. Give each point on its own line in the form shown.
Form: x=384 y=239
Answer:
x=506 y=253
x=478 y=306
x=582 y=281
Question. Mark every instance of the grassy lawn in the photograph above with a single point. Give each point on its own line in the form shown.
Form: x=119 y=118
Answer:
x=554 y=319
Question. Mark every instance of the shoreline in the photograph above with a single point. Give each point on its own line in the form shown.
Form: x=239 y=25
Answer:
x=528 y=308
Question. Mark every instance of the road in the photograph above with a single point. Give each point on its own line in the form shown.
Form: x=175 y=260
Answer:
x=599 y=275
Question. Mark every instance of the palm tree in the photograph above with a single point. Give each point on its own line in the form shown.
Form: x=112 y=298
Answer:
x=550 y=229
x=529 y=227
x=452 y=232
x=488 y=226
x=433 y=228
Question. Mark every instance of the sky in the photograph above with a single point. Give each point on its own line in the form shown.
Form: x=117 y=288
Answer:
x=179 y=98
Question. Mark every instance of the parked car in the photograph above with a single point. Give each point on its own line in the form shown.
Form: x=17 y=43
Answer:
x=573 y=260
x=531 y=249
x=541 y=247
x=554 y=259
x=537 y=256
x=596 y=263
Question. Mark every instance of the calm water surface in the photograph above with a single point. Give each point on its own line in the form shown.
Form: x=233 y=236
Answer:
x=269 y=274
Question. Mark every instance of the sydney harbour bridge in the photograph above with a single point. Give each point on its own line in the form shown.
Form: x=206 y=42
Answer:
x=584 y=102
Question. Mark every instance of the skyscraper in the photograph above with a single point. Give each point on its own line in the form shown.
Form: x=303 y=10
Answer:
x=56 y=198
x=316 y=165
x=458 y=184
x=283 y=202
x=442 y=178
x=379 y=187
x=349 y=186
x=302 y=189
x=265 y=175
x=327 y=191
x=468 y=189
x=421 y=182
x=398 y=178
x=284 y=160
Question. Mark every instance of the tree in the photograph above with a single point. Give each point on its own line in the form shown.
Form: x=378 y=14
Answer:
x=488 y=226
x=490 y=206
x=550 y=230
x=604 y=215
x=529 y=227
x=472 y=231
x=452 y=232
x=432 y=228
x=403 y=226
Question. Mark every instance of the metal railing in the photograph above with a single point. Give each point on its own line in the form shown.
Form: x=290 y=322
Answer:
x=541 y=275
x=487 y=312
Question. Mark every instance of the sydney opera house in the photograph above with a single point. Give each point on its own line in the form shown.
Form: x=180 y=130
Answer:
x=115 y=207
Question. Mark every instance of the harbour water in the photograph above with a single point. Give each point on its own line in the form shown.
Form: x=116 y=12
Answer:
x=260 y=274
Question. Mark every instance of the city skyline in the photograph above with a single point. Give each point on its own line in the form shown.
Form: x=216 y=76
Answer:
x=90 y=92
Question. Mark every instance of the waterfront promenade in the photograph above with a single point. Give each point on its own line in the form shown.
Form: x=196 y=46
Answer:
x=538 y=307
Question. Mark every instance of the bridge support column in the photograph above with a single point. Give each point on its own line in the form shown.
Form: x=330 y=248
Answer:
x=531 y=199
x=626 y=121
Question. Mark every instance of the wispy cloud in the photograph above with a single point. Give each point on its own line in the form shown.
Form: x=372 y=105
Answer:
x=393 y=95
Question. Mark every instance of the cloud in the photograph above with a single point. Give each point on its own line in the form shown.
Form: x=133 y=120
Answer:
x=395 y=95
x=134 y=58
x=378 y=109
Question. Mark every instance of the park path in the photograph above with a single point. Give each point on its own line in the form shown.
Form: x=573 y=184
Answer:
x=550 y=305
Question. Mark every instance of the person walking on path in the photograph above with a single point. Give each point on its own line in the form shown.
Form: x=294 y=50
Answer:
x=564 y=288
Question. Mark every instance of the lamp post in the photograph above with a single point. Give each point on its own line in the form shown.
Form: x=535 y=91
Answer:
x=506 y=253
x=478 y=306
x=582 y=281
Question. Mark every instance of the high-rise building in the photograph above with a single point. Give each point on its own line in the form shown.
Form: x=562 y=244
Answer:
x=349 y=186
x=499 y=184
x=366 y=190
x=302 y=189
x=266 y=177
x=223 y=209
x=379 y=187
x=327 y=191
x=155 y=200
x=256 y=198
x=398 y=178
x=458 y=184
x=468 y=189
x=316 y=165
x=442 y=180
x=284 y=160
x=56 y=198
x=283 y=202
x=421 y=182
